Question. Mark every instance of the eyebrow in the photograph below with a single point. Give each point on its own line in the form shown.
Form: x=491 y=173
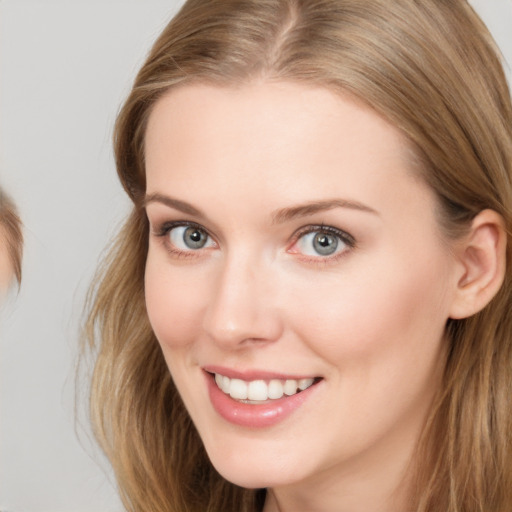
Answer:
x=280 y=216
x=181 y=206
x=287 y=214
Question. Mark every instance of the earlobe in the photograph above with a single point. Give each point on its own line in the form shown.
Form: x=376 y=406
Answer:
x=482 y=258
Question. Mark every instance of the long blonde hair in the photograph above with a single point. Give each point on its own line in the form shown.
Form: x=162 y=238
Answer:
x=431 y=68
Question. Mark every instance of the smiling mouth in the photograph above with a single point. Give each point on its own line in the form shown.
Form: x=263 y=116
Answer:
x=261 y=391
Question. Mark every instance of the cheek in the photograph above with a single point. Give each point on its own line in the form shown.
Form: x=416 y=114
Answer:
x=174 y=303
x=390 y=310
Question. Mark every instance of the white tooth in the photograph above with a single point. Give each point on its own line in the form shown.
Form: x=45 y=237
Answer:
x=218 y=380
x=275 y=389
x=226 y=381
x=238 y=389
x=305 y=383
x=257 y=390
x=290 y=387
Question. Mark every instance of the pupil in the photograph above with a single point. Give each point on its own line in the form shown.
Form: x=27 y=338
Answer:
x=325 y=244
x=194 y=238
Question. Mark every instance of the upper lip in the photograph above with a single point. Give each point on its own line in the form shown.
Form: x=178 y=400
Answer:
x=255 y=374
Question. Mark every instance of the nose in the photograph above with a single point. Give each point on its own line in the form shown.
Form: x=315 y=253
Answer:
x=242 y=307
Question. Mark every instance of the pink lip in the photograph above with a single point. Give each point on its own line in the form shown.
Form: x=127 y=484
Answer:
x=252 y=374
x=254 y=415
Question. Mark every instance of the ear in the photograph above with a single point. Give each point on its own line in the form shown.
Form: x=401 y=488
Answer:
x=482 y=259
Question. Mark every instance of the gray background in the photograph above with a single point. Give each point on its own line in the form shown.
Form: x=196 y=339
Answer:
x=65 y=66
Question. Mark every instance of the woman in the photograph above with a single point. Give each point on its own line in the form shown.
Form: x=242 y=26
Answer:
x=11 y=242
x=309 y=306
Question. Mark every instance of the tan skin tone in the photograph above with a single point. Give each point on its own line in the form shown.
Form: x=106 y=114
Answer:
x=262 y=172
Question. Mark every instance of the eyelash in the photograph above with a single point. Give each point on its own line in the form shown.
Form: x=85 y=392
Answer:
x=347 y=239
x=341 y=235
x=164 y=230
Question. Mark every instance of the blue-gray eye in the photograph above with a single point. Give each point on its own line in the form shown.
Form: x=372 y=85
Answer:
x=325 y=244
x=187 y=238
x=321 y=243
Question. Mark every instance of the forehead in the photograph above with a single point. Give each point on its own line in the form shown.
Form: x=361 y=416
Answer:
x=282 y=139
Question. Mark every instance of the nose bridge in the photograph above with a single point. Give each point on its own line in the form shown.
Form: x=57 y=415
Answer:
x=241 y=307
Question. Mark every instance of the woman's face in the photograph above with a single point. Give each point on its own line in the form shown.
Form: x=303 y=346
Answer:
x=291 y=247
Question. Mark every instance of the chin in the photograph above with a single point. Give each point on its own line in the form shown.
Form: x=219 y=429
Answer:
x=251 y=478
x=253 y=469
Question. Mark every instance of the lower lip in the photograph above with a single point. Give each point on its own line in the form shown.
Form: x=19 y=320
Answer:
x=255 y=415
